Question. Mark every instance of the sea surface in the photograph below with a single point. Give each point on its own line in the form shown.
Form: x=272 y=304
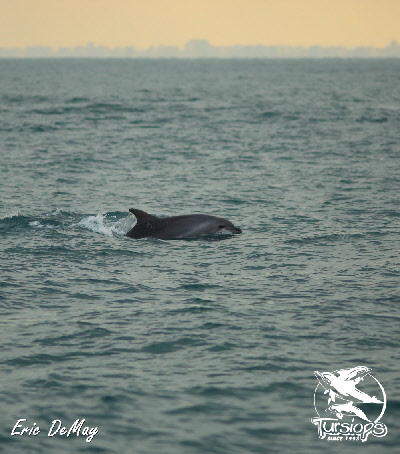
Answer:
x=206 y=345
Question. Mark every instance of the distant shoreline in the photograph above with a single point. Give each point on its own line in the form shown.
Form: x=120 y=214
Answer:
x=203 y=49
x=199 y=58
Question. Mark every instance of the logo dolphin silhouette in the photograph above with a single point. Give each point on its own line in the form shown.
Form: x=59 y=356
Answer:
x=344 y=385
x=347 y=409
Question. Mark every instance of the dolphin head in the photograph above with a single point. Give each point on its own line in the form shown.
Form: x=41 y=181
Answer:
x=356 y=373
x=224 y=226
x=362 y=370
x=332 y=409
x=335 y=409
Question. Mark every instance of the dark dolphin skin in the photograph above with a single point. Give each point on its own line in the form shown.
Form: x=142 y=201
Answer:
x=186 y=226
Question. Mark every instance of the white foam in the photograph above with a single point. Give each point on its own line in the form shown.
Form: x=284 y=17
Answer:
x=123 y=225
x=38 y=225
x=12 y=215
x=55 y=212
x=95 y=224
x=99 y=224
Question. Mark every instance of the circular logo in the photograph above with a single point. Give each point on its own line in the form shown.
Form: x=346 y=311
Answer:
x=349 y=393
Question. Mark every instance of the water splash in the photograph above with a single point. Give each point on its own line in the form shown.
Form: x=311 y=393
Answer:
x=11 y=215
x=106 y=224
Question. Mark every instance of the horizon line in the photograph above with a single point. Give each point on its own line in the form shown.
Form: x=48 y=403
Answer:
x=201 y=41
x=201 y=48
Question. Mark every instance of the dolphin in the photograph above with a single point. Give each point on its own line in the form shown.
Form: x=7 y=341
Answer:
x=345 y=388
x=355 y=374
x=186 y=226
x=347 y=409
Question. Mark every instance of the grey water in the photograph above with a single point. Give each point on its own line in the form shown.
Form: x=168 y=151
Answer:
x=207 y=345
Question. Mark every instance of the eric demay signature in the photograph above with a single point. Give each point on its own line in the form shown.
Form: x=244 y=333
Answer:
x=56 y=428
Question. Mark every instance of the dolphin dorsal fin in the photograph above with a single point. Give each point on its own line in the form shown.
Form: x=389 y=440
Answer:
x=141 y=216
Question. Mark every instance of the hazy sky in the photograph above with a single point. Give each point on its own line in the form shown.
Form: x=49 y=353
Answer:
x=145 y=23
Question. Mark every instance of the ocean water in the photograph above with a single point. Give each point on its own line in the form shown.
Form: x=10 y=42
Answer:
x=206 y=345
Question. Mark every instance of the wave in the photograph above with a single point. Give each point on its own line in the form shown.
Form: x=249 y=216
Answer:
x=24 y=99
x=109 y=224
x=79 y=106
x=334 y=237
